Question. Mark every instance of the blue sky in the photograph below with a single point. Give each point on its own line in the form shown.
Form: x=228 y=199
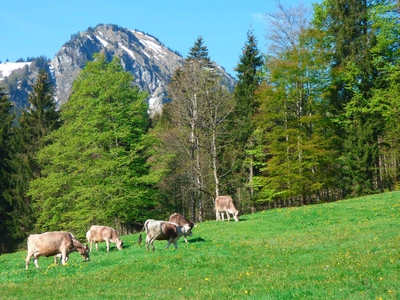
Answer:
x=41 y=27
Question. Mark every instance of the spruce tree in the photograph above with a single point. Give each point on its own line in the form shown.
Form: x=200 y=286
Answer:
x=6 y=119
x=199 y=52
x=38 y=119
x=241 y=125
x=351 y=36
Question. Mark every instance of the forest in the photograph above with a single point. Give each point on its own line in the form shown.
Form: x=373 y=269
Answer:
x=314 y=119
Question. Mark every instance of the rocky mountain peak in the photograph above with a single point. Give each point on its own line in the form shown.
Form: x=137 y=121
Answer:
x=151 y=63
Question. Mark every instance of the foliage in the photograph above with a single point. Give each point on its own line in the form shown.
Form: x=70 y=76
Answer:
x=294 y=152
x=36 y=122
x=351 y=33
x=194 y=122
x=315 y=119
x=341 y=250
x=198 y=52
x=94 y=170
x=239 y=157
x=6 y=118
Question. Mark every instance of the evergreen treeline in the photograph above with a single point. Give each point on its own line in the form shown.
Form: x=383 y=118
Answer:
x=314 y=119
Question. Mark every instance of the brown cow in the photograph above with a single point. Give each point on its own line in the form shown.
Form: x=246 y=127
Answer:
x=78 y=247
x=181 y=221
x=55 y=243
x=225 y=204
x=163 y=231
x=98 y=234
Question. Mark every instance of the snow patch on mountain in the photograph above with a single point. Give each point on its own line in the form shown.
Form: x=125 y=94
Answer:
x=8 y=67
x=130 y=52
x=103 y=42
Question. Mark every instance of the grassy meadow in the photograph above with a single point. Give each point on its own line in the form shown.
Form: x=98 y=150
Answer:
x=342 y=250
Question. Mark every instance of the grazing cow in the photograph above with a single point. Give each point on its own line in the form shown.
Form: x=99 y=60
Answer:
x=181 y=221
x=98 y=234
x=225 y=204
x=163 y=231
x=78 y=247
x=55 y=243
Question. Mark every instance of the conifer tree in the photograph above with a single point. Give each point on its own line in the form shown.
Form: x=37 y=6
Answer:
x=350 y=36
x=38 y=119
x=241 y=124
x=6 y=119
x=199 y=52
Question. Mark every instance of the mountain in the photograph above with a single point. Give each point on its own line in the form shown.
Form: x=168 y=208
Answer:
x=151 y=63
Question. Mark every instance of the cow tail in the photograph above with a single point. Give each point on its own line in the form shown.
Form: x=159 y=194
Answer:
x=140 y=239
x=140 y=235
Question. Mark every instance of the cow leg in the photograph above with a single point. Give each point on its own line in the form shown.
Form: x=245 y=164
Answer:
x=222 y=215
x=185 y=239
x=228 y=216
x=35 y=259
x=217 y=215
x=64 y=257
x=108 y=245
x=28 y=259
x=175 y=242
x=169 y=243
x=149 y=241
x=97 y=246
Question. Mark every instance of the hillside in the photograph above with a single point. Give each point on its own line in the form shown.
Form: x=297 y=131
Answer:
x=342 y=250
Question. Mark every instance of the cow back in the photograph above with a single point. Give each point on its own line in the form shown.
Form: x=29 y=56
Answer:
x=180 y=220
x=170 y=230
x=225 y=203
x=50 y=243
x=101 y=233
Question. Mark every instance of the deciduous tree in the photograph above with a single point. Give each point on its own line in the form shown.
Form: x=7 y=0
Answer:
x=95 y=170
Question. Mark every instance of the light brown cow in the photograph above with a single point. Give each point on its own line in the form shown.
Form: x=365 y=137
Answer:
x=163 y=231
x=181 y=221
x=98 y=234
x=55 y=243
x=78 y=247
x=225 y=204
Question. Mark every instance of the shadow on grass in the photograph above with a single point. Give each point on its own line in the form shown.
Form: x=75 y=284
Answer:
x=196 y=240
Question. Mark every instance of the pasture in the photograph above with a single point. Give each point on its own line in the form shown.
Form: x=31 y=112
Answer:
x=342 y=250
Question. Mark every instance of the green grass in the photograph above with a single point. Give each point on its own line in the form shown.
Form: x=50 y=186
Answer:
x=343 y=250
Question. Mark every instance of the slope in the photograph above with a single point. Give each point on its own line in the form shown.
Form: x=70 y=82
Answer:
x=342 y=250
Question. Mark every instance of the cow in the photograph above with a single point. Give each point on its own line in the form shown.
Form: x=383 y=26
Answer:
x=54 y=243
x=225 y=204
x=98 y=234
x=78 y=246
x=181 y=221
x=163 y=231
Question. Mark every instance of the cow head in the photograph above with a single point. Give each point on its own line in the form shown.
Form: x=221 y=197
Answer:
x=119 y=244
x=187 y=231
x=236 y=215
x=84 y=251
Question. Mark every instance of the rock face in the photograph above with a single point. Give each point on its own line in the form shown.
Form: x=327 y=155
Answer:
x=151 y=63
